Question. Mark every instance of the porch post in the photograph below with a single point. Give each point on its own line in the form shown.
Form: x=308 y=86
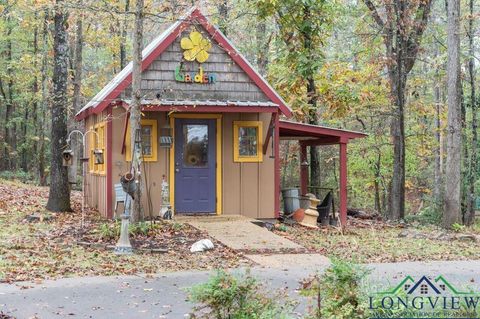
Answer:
x=303 y=169
x=109 y=174
x=343 y=182
x=276 y=147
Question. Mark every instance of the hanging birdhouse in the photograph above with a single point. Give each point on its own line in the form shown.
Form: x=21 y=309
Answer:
x=98 y=153
x=67 y=156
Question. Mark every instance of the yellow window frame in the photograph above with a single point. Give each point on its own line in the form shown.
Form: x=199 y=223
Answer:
x=97 y=141
x=153 y=137
x=236 y=128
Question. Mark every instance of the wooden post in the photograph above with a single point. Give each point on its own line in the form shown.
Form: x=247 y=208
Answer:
x=343 y=183
x=109 y=163
x=276 y=147
x=303 y=169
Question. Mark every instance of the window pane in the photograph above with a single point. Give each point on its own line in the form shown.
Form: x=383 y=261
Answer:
x=147 y=140
x=195 y=145
x=247 y=141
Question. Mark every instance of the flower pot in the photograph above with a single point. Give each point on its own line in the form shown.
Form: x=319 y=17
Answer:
x=299 y=215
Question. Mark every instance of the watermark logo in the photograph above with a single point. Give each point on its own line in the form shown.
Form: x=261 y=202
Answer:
x=425 y=298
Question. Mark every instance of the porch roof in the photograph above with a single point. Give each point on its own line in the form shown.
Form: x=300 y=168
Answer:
x=308 y=132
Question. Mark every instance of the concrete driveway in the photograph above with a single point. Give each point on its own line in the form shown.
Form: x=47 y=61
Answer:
x=164 y=296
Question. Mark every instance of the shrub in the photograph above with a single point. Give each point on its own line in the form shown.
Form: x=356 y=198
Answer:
x=109 y=231
x=226 y=296
x=427 y=216
x=338 y=292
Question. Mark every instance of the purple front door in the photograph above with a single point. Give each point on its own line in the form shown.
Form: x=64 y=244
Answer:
x=195 y=166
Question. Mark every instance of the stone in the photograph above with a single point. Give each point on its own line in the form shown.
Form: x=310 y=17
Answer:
x=466 y=237
x=202 y=245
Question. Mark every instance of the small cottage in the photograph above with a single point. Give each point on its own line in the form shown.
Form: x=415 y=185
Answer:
x=210 y=134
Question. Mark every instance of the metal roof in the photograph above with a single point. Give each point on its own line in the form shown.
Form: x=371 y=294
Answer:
x=302 y=131
x=164 y=102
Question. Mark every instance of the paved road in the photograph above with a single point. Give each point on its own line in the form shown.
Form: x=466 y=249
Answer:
x=163 y=296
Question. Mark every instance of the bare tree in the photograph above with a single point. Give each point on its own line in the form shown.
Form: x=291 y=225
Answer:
x=59 y=196
x=402 y=28
x=452 y=208
x=473 y=157
x=135 y=107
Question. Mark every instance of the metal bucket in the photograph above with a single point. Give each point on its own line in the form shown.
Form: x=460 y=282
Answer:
x=291 y=201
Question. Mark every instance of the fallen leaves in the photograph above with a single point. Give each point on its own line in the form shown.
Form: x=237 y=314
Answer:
x=46 y=247
x=369 y=241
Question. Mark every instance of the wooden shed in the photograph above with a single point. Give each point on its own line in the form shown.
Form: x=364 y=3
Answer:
x=209 y=121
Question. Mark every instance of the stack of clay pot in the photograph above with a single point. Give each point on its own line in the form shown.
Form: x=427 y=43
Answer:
x=311 y=213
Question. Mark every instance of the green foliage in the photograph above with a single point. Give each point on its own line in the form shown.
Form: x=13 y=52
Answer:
x=140 y=228
x=178 y=226
x=429 y=215
x=226 y=296
x=109 y=231
x=338 y=291
x=20 y=175
x=456 y=227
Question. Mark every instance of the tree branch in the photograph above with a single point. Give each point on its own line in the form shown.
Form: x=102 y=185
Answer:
x=375 y=14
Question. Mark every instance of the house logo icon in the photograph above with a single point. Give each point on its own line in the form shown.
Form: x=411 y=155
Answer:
x=425 y=286
x=426 y=297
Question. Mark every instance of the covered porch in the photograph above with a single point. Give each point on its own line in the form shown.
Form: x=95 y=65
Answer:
x=315 y=135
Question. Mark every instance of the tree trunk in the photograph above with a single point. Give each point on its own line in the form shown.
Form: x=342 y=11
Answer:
x=438 y=180
x=135 y=108
x=262 y=46
x=123 y=51
x=222 y=8
x=452 y=208
x=78 y=63
x=59 y=196
x=471 y=193
x=397 y=131
x=42 y=178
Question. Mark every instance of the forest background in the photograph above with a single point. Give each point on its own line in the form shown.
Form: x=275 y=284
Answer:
x=328 y=58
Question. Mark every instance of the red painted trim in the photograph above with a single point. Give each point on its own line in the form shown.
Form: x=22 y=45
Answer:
x=303 y=169
x=276 y=174
x=343 y=184
x=269 y=134
x=244 y=65
x=314 y=130
x=109 y=164
x=322 y=141
x=209 y=109
x=195 y=16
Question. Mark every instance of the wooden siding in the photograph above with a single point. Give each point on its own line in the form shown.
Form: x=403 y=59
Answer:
x=95 y=184
x=248 y=187
x=232 y=82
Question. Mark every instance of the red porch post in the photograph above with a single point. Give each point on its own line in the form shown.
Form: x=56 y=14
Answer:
x=303 y=169
x=109 y=176
x=276 y=147
x=343 y=182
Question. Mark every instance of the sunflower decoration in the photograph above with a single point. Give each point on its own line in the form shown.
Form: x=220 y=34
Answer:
x=196 y=47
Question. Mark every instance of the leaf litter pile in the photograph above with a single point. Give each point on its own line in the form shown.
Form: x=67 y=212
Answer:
x=47 y=246
x=375 y=241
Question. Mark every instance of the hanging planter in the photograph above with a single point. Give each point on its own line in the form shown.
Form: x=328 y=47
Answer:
x=98 y=153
